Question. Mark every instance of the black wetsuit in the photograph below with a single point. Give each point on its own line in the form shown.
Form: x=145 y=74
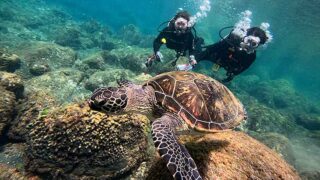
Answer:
x=233 y=60
x=179 y=42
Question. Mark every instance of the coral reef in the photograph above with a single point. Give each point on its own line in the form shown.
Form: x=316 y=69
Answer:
x=75 y=142
x=7 y=172
x=69 y=38
x=9 y=62
x=278 y=143
x=63 y=85
x=309 y=121
x=265 y=119
x=107 y=77
x=7 y=107
x=11 y=155
x=12 y=82
x=34 y=105
x=230 y=155
x=44 y=54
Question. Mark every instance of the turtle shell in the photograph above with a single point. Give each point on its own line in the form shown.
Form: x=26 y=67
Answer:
x=202 y=102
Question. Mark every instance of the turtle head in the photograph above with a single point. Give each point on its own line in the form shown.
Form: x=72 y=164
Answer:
x=125 y=98
x=109 y=99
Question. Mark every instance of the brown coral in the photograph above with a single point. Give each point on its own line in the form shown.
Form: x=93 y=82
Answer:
x=7 y=104
x=230 y=155
x=9 y=62
x=77 y=142
x=12 y=82
x=7 y=172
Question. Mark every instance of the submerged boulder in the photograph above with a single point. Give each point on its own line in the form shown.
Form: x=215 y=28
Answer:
x=34 y=105
x=9 y=62
x=278 y=143
x=41 y=57
x=107 y=77
x=7 y=106
x=63 y=84
x=230 y=155
x=12 y=82
x=7 y=172
x=75 y=142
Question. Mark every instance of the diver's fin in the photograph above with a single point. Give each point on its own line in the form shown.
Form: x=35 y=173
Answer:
x=178 y=160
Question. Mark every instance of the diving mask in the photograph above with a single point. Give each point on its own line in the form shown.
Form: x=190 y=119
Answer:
x=181 y=24
x=250 y=43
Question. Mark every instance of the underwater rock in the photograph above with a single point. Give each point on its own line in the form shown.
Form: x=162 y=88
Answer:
x=76 y=142
x=309 y=121
x=7 y=107
x=33 y=106
x=278 y=143
x=64 y=85
x=277 y=94
x=230 y=155
x=39 y=69
x=265 y=119
x=12 y=82
x=91 y=26
x=310 y=175
x=95 y=61
x=9 y=62
x=106 y=45
x=11 y=154
x=7 y=172
x=134 y=58
x=107 y=77
x=69 y=37
x=44 y=53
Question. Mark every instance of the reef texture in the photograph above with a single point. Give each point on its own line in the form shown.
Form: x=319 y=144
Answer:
x=34 y=105
x=7 y=106
x=63 y=85
x=9 y=62
x=12 y=82
x=277 y=142
x=75 y=142
x=230 y=155
x=7 y=172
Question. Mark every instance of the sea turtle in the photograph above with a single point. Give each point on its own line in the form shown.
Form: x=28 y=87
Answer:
x=183 y=100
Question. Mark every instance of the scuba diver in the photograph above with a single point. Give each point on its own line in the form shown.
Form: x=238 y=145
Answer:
x=235 y=54
x=177 y=36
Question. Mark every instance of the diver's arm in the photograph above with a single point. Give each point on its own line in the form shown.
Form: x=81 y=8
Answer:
x=157 y=42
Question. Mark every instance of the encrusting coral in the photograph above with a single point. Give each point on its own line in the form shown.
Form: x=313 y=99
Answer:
x=76 y=142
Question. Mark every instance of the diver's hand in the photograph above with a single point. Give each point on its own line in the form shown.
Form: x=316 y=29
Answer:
x=184 y=67
x=150 y=60
x=159 y=56
x=192 y=60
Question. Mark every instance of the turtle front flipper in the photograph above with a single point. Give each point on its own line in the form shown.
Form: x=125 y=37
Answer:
x=178 y=160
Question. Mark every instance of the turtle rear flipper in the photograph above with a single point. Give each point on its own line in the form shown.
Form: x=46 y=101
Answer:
x=178 y=160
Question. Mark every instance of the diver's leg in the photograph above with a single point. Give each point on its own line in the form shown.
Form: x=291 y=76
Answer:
x=178 y=160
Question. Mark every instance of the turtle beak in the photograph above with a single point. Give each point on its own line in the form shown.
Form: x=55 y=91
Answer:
x=93 y=105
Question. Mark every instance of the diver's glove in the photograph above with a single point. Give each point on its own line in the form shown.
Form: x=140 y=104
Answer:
x=150 y=60
x=229 y=78
x=192 y=60
x=159 y=56
x=184 y=67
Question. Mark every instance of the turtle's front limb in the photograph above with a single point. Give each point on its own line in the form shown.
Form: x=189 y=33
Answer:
x=178 y=160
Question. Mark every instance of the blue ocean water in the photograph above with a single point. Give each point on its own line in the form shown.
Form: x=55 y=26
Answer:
x=293 y=54
x=285 y=78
